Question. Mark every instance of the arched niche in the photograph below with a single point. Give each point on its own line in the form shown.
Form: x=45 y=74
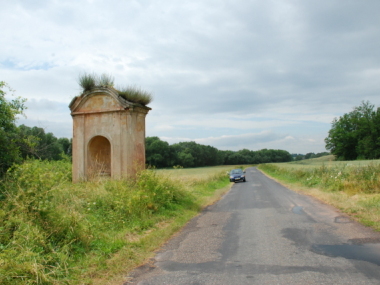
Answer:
x=99 y=157
x=108 y=135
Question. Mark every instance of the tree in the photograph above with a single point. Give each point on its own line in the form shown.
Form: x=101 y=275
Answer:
x=158 y=152
x=185 y=158
x=66 y=145
x=9 y=152
x=192 y=154
x=34 y=142
x=356 y=134
x=299 y=157
x=309 y=155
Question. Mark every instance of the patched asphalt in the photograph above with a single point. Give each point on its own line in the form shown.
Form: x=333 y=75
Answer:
x=260 y=232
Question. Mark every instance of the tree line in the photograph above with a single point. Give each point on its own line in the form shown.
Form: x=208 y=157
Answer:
x=309 y=155
x=33 y=142
x=20 y=142
x=356 y=135
x=191 y=154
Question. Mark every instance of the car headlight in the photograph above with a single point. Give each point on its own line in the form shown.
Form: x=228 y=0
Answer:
x=231 y=177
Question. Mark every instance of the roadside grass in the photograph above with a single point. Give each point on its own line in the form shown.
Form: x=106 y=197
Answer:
x=56 y=232
x=351 y=186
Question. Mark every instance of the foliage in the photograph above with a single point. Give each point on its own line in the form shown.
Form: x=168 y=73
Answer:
x=136 y=95
x=158 y=152
x=246 y=156
x=9 y=110
x=34 y=142
x=355 y=135
x=55 y=232
x=192 y=154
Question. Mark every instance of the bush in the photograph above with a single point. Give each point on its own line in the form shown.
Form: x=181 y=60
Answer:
x=52 y=230
x=9 y=152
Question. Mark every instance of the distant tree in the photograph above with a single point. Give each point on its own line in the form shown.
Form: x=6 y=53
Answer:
x=299 y=157
x=192 y=154
x=320 y=154
x=158 y=152
x=66 y=145
x=35 y=143
x=9 y=152
x=309 y=155
x=185 y=158
x=356 y=134
x=225 y=154
x=187 y=154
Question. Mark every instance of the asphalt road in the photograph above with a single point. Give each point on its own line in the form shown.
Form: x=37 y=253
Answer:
x=263 y=233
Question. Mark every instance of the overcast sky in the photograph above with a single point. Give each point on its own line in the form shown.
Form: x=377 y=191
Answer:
x=231 y=74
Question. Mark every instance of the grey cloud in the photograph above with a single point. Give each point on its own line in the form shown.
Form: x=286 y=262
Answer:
x=239 y=141
x=263 y=58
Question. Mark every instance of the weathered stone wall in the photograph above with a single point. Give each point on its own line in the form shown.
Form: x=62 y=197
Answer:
x=101 y=116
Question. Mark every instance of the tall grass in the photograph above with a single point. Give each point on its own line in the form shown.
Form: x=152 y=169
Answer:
x=105 y=80
x=137 y=95
x=89 y=81
x=56 y=232
x=352 y=187
x=342 y=177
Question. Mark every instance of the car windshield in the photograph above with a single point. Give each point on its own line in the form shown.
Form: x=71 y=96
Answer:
x=236 y=171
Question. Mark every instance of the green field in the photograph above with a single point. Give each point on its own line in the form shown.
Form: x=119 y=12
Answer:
x=56 y=232
x=351 y=186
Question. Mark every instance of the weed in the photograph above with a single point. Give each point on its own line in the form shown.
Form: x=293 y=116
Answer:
x=56 y=232
x=87 y=81
x=105 y=80
x=136 y=95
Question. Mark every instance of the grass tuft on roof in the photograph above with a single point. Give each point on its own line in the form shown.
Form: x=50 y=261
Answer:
x=89 y=81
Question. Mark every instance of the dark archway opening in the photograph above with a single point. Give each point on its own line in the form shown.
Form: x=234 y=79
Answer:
x=99 y=156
